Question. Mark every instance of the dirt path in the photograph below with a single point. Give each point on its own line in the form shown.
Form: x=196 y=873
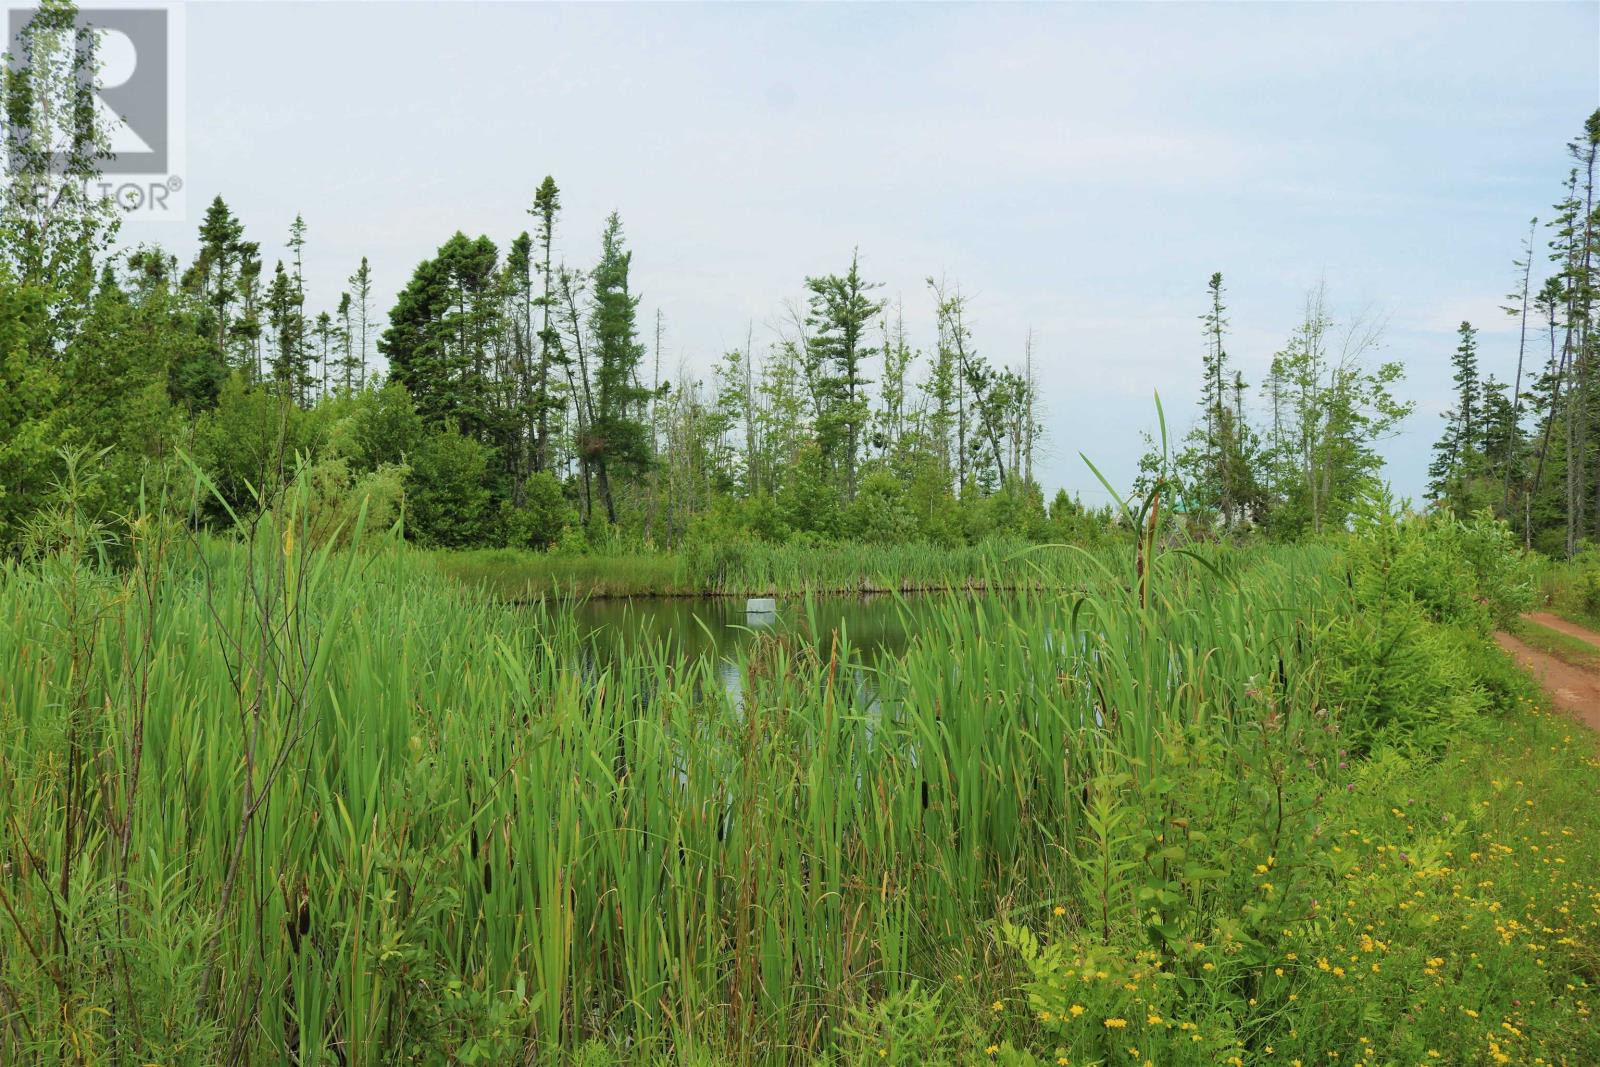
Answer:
x=1574 y=690
x=1560 y=625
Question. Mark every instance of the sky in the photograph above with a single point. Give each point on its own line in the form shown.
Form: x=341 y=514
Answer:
x=1080 y=170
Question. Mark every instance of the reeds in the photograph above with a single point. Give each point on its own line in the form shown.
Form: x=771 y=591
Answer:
x=749 y=568
x=263 y=800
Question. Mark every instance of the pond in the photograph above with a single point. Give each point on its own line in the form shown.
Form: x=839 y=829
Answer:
x=878 y=629
x=716 y=627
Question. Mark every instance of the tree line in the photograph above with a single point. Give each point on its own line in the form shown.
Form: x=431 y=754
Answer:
x=508 y=397
x=1526 y=445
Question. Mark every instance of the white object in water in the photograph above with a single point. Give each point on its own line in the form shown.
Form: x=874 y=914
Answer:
x=761 y=606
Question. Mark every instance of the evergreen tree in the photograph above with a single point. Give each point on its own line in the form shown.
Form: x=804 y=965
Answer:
x=246 y=333
x=216 y=272
x=1548 y=396
x=1217 y=464
x=323 y=331
x=1497 y=451
x=296 y=321
x=348 y=366
x=440 y=334
x=841 y=312
x=361 y=309
x=1456 y=454
x=546 y=206
x=291 y=363
x=618 y=433
x=521 y=411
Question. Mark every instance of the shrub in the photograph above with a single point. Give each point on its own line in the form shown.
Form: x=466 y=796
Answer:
x=1470 y=573
x=382 y=426
x=1406 y=658
x=446 y=502
x=538 y=521
x=337 y=496
x=1395 y=678
x=878 y=514
x=1502 y=573
x=252 y=439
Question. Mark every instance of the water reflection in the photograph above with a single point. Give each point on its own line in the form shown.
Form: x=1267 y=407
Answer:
x=717 y=627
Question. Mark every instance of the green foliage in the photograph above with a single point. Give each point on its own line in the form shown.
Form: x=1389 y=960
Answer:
x=840 y=313
x=1503 y=575
x=377 y=427
x=1465 y=573
x=908 y=1028
x=1588 y=591
x=339 y=500
x=252 y=439
x=618 y=436
x=1429 y=923
x=1425 y=590
x=456 y=847
x=1267 y=890
x=1396 y=679
x=447 y=504
x=30 y=422
x=538 y=522
x=275 y=790
x=879 y=514
x=1572 y=587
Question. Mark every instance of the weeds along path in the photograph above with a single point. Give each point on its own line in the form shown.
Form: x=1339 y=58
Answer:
x=1560 y=625
x=1573 y=689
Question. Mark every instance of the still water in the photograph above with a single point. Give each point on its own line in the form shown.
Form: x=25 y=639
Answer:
x=716 y=627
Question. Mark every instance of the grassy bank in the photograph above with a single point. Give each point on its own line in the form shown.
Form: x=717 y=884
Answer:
x=1570 y=588
x=752 y=568
x=1451 y=913
x=268 y=801
x=1568 y=649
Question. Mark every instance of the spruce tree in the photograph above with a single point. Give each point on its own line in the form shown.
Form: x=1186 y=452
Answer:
x=361 y=314
x=440 y=332
x=246 y=332
x=1457 y=451
x=220 y=238
x=297 y=283
x=519 y=391
x=323 y=331
x=291 y=369
x=546 y=206
x=618 y=435
x=347 y=360
x=841 y=312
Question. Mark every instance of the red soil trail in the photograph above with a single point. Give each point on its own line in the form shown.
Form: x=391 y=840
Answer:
x=1560 y=625
x=1575 y=690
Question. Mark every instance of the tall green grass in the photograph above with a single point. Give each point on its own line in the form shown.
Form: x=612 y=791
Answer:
x=1571 y=587
x=750 y=568
x=266 y=800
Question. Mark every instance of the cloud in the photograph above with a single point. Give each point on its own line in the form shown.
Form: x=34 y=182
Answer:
x=1080 y=169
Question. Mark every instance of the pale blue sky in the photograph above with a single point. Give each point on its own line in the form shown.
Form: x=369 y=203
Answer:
x=1080 y=169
